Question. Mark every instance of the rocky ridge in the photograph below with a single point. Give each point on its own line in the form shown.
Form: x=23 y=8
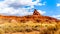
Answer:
x=36 y=17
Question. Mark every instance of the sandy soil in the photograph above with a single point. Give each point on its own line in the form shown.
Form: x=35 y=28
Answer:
x=34 y=32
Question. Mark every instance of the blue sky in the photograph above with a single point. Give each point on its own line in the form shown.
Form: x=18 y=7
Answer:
x=26 y=7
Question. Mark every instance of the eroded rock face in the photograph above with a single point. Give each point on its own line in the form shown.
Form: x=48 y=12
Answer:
x=36 y=12
x=36 y=17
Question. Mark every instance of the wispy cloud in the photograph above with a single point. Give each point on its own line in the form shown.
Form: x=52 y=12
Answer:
x=56 y=16
x=17 y=7
x=58 y=4
x=41 y=12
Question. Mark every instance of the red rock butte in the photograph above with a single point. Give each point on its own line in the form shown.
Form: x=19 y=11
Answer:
x=36 y=17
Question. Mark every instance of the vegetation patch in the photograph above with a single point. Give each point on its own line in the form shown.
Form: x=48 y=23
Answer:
x=29 y=27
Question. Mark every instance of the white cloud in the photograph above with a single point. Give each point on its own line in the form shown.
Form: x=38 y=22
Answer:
x=16 y=7
x=12 y=11
x=41 y=12
x=56 y=16
x=58 y=4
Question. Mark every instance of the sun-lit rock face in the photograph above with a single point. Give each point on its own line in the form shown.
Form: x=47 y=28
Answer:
x=36 y=17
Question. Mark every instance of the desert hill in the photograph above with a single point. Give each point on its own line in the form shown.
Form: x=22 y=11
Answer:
x=30 y=24
x=36 y=17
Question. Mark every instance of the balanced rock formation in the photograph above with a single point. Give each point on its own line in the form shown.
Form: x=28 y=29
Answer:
x=36 y=17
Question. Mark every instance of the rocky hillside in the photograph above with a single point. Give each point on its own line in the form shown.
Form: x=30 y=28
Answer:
x=30 y=24
x=36 y=17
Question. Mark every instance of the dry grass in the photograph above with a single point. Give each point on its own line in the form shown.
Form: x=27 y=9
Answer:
x=30 y=27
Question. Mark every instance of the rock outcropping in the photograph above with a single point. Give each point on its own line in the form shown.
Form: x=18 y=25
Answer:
x=36 y=17
x=36 y=12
